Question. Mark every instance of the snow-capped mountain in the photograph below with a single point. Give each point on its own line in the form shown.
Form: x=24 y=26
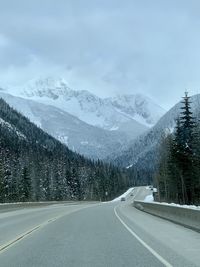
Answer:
x=129 y=113
x=143 y=150
x=93 y=126
x=76 y=134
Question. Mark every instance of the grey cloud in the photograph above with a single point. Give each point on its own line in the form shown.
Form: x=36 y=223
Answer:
x=105 y=46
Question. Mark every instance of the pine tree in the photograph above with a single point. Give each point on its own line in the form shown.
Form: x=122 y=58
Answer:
x=1 y=183
x=25 y=185
x=162 y=174
x=178 y=172
x=35 y=166
x=46 y=184
x=185 y=137
x=196 y=165
x=74 y=185
x=178 y=189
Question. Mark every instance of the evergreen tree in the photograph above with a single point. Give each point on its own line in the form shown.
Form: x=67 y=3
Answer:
x=162 y=174
x=179 y=167
x=196 y=165
x=25 y=185
x=35 y=166
x=184 y=140
x=1 y=183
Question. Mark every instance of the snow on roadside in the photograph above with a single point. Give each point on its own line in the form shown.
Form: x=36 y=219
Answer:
x=193 y=207
x=149 y=198
x=19 y=203
x=123 y=195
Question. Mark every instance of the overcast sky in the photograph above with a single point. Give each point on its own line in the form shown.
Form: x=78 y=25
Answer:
x=105 y=46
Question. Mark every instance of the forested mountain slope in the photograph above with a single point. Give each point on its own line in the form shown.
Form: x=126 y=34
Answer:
x=88 y=140
x=35 y=166
x=143 y=152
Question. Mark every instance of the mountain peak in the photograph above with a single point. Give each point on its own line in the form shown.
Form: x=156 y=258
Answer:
x=106 y=113
x=46 y=87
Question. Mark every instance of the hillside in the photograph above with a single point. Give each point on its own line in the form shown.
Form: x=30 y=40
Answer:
x=88 y=140
x=35 y=166
x=143 y=151
x=137 y=112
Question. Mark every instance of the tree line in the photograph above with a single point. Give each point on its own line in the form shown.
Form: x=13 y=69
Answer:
x=178 y=173
x=36 y=167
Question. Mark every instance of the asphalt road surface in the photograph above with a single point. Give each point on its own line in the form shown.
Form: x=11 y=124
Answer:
x=88 y=235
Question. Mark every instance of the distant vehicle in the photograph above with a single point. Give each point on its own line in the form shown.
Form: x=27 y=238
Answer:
x=123 y=199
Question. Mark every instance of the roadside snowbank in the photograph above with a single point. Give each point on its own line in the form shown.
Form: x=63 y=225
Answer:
x=123 y=195
x=180 y=206
x=17 y=203
x=149 y=198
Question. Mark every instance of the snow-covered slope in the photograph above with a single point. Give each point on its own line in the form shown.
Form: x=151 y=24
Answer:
x=138 y=107
x=76 y=134
x=93 y=126
x=11 y=128
x=131 y=113
x=143 y=149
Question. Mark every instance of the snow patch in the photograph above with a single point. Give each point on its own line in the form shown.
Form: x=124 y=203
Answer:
x=84 y=143
x=12 y=128
x=149 y=198
x=64 y=139
x=180 y=206
x=128 y=167
x=123 y=195
x=114 y=128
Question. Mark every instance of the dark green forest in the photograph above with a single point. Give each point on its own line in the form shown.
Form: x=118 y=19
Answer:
x=36 y=167
x=178 y=173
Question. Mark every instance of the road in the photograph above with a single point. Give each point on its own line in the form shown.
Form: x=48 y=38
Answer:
x=92 y=235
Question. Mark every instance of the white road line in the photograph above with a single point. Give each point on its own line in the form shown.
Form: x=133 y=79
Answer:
x=160 y=258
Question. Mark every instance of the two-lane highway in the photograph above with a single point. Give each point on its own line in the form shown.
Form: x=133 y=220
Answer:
x=109 y=234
